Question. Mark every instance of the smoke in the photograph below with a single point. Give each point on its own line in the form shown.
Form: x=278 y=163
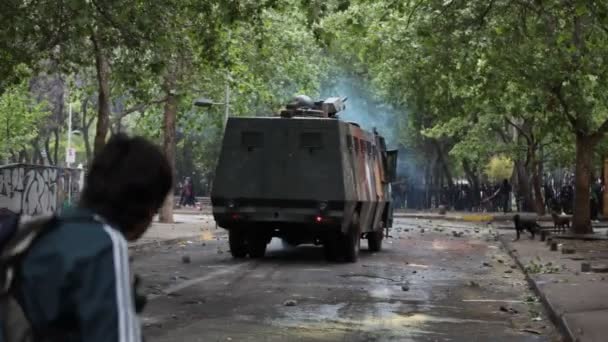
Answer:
x=369 y=112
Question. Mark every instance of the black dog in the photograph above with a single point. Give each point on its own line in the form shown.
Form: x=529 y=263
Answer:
x=528 y=224
x=560 y=223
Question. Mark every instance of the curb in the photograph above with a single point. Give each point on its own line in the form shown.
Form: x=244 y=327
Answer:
x=555 y=318
x=160 y=243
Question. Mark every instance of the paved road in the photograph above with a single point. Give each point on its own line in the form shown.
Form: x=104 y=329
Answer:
x=452 y=296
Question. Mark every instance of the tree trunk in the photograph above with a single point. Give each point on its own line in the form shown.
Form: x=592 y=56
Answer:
x=605 y=192
x=444 y=165
x=539 y=205
x=47 y=147
x=581 y=221
x=170 y=116
x=85 y=125
x=56 y=147
x=103 y=104
x=523 y=187
x=473 y=179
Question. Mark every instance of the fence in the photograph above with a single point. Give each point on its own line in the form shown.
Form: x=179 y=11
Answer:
x=38 y=190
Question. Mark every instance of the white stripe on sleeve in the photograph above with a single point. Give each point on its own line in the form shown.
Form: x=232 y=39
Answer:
x=128 y=323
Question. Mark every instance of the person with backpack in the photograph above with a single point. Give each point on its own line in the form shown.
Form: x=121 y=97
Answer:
x=67 y=278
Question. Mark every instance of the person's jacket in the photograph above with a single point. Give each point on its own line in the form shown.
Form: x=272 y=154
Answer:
x=74 y=283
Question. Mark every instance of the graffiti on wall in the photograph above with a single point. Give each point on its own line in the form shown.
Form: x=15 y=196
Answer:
x=35 y=190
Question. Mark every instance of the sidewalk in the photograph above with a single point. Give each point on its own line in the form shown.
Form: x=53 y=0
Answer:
x=160 y=234
x=468 y=216
x=577 y=301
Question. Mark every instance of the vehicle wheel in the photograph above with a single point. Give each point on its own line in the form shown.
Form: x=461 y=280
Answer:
x=374 y=241
x=257 y=247
x=351 y=241
x=237 y=242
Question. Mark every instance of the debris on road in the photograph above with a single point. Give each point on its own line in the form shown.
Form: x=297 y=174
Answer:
x=186 y=259
x=457 y=234
x=599 y=269
x=568 y=250
x=290 y=302
x=405 y=288
x=509 y=310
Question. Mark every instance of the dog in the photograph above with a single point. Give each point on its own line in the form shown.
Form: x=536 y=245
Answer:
x=560 y=223
x=528 y=224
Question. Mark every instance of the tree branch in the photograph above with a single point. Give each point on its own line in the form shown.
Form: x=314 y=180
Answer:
x=557 y=91
x=520 y=130
x=600 y=132
x=411 y=14
x=140 y=107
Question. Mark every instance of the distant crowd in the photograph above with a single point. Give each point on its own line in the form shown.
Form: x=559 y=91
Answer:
x=493 y=197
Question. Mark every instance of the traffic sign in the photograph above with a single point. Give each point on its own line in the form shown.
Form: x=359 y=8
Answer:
x=70 y=156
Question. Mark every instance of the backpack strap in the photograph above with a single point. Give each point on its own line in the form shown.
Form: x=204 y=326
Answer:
x=24 y=236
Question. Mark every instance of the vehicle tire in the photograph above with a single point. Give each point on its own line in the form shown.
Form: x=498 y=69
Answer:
x=256 y=247
x=237 y=243
x=351 y=241
x=374 y=241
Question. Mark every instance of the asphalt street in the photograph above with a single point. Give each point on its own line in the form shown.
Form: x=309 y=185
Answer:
x=428 y=284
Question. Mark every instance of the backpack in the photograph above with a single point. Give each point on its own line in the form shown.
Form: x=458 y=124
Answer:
x=15 y=240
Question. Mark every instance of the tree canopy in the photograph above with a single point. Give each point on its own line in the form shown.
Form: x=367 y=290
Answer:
x=458 y=83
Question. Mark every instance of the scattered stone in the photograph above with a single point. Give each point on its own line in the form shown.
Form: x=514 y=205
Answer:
x=487 y=264
x=531 y=331
x=513 y=267
x=509 y=310
x=599 y=269
x=585 y=267
x=414 y=271
x=405 y=288
x=509 y=271
x=186 y=259
x=422 y=230
x=473 y=284
x=290 y=302
x=568 y=250
x=500 y=261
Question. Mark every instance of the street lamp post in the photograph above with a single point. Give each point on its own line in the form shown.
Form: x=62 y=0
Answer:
x=206 y=102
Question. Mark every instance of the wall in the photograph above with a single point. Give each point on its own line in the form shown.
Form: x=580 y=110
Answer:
x=37 y=190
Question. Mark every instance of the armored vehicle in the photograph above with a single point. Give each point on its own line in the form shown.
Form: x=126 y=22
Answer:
x=306 y=177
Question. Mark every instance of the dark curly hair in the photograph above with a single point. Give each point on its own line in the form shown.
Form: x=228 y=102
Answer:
x=128 y=179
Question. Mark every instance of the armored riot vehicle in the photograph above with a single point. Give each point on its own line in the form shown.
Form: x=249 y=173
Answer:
x=304 y=176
